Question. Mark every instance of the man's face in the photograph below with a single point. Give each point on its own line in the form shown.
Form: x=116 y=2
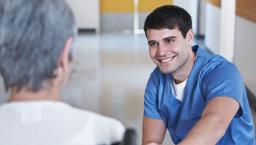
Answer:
x=169 y=50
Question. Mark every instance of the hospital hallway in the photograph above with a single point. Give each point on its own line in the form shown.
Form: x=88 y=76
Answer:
x=110 y=72
x=109 y=75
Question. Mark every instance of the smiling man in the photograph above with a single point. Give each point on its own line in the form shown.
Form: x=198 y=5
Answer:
x=200 y=98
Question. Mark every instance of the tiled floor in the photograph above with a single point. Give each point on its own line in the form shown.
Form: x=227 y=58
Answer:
x=109 y=76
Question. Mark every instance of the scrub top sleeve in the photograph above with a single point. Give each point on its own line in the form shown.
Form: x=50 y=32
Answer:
x=224 y=80
x=150 y=98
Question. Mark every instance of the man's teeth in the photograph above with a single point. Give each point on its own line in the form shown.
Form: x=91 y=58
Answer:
x=167 y=59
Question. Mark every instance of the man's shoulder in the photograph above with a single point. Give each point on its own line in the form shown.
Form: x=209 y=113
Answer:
x=215 y=63
x=219 y=65
x=205 y=55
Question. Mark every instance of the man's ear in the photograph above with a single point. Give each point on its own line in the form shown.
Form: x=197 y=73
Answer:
x=190 y=36
x=64 y=58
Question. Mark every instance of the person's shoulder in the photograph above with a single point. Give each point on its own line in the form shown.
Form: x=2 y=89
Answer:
x=220 y=64
x=216 y=66
x=220 y=70
x=106 y=126
x=214 y=62
x=96 y=117
x=102 y=118
x=106 y=129
x=209 y=57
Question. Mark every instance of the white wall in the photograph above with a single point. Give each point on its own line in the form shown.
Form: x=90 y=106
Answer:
x=202 y=16
x=245 y=51
x=212 y=28
x=227 y=29
x=191 y=7
x=87 y=13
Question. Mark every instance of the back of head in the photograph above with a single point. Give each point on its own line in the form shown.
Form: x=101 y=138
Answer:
x=170 y=17
x=32 y=36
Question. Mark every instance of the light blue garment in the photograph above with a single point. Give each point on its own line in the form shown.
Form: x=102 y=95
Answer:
x=211 y=76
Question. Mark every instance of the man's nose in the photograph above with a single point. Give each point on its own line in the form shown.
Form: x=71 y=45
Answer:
x=161 y=50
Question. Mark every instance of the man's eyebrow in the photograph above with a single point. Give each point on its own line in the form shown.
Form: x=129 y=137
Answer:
x=170 y=37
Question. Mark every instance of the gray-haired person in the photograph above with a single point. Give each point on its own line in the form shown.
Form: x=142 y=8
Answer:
x=35 y=41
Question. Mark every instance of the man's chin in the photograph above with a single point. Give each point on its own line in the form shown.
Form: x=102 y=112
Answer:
x=165 y=71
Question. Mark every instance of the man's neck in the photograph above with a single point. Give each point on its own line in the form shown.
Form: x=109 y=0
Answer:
x=186 y=69
x=27 y=95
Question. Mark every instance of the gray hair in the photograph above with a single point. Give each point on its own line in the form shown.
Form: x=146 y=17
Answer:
x=32 y=36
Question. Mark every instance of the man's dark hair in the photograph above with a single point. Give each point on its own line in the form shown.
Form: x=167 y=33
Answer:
x=170 y=17
x=32 y=36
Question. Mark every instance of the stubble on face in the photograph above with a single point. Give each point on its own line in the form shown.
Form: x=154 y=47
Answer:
x=169 y=49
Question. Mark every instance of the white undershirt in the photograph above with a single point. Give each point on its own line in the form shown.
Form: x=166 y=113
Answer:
x=178 y=89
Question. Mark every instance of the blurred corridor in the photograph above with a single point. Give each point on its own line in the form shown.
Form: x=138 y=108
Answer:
x=111 y=66
x=109 y=76
x=110 y=72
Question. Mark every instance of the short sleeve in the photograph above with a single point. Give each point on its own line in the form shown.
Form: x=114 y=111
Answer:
x=224 y=80
x=150 y=97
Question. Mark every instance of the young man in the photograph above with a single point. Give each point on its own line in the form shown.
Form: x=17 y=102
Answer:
x=200 y=98
x=35 y=42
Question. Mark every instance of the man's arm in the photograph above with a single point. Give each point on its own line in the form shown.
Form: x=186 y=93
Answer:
x=215 y=120
x=153 y=131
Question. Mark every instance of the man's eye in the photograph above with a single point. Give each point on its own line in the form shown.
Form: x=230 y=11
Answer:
x=152 y=44
x=169 y=40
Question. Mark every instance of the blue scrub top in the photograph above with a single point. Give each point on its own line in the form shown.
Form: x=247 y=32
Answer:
x=211 y=76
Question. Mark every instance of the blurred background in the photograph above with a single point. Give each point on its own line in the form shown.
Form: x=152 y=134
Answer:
x=111 y=63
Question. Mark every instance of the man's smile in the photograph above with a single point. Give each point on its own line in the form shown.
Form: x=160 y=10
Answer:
x=166 y=60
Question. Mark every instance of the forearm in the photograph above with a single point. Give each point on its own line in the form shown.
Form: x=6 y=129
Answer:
x=216 y=118
x=153 y=131
x=207 y=131
x=153 y=143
